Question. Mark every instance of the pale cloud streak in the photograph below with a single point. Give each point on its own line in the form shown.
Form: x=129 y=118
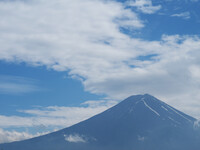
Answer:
x=74 y=138
x=184 y=15
x=17 y=85
x=55 y=116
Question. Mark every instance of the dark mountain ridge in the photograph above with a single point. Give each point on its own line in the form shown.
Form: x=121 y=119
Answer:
x=140 y=122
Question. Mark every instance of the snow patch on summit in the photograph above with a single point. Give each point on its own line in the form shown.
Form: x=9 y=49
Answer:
x=174 y=120
x=150 y=108
x=179 y=114
x=164 y=108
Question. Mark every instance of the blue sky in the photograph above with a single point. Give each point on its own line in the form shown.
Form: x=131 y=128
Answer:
x=44 y=87
x=64 y=61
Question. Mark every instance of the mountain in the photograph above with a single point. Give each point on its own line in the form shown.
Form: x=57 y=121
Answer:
x=140 y=122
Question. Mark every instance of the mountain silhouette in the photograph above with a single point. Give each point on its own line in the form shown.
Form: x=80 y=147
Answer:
x=140 y=122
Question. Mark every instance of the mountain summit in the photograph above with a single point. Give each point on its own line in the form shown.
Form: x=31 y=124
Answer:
x=140 y=122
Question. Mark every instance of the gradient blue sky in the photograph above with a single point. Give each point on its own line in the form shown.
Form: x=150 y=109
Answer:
x=64 y=61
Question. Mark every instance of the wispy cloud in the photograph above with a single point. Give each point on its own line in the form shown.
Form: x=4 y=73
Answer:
x=184 y=15
x=54 y=115
x=141 y=138
x=17 y=85
x=75 y=138
x=10 y=136
x=145 y=6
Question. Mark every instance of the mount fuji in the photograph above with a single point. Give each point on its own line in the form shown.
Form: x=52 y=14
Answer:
x=140 y=122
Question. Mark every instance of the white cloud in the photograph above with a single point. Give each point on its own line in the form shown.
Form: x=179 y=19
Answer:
x=184 y=15
x=141 y=138
x=10 y=136
x=75 y=138
x=144 y=6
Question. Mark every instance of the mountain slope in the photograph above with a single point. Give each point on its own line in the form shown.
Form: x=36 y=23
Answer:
x=140 y=122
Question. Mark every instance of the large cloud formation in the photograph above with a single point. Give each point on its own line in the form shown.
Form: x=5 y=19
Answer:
x=86 y=40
